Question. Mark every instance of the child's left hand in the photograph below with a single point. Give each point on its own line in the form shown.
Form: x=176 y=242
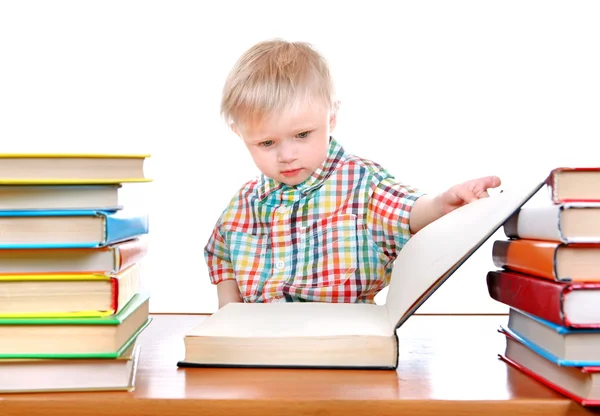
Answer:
x=467 y=192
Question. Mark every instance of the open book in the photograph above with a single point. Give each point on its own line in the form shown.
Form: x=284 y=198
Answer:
x=349 y=335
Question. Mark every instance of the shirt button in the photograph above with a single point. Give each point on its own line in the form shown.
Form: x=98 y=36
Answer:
x=279 y=265
x=282 y=210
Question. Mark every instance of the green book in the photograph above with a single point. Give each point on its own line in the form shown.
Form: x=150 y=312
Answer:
x=85 y=337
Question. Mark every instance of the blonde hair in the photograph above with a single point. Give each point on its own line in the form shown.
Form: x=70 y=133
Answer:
x=273 y=76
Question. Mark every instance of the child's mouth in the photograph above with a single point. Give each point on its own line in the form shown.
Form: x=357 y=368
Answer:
x=290 y=173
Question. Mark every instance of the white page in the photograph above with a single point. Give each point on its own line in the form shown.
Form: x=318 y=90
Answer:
x=296 y=319
x=436 y=251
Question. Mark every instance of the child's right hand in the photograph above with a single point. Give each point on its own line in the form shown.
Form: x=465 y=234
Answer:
x=428 y=209
x=466 y=192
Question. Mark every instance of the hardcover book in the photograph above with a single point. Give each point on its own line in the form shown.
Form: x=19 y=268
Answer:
x=79 y=337
x=109 y=259
x=570 y=184
x=67 y=295
x=574 y=305
x=69 y=229
x=343 y=335
x=71 y=169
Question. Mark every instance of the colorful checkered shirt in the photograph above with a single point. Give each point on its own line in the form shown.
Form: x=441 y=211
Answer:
x=332 y=238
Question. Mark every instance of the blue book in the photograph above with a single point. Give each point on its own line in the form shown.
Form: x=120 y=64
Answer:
x=563 y=346
x=69 y=229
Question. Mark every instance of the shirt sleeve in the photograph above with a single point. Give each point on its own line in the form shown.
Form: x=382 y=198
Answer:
x=216 y=254
x=388 y=215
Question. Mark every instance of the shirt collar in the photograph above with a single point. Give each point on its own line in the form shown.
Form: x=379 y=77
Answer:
x=335 y=154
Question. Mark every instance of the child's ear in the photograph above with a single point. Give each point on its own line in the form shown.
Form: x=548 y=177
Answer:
x=333 y=115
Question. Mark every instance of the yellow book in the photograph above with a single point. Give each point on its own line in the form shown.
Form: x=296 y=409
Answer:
x=63 y=295
x=60 y=168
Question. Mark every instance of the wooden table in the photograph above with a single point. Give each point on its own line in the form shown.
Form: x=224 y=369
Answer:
x=448 y=365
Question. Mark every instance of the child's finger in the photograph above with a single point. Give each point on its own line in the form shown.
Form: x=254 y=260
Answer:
x=465 y=194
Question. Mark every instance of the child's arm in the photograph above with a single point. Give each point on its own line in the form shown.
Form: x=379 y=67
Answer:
x=429 y=208
x=228 y=291
x=220 y=269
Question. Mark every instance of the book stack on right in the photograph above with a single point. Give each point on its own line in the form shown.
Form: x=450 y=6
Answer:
x=549 y=276
x=71 y=305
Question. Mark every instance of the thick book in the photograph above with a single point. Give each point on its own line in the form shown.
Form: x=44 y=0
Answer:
x=563 y=346
x=575 y=305
x=79 y=337
x=67 y=295
x=581 y=384
x=549 y=259
x=574 y=184
x=69 y=229
x=566 y=223
x=59 y=197
x=65 y=375
x=109 y=259
x=71 y=169
x=345 y=335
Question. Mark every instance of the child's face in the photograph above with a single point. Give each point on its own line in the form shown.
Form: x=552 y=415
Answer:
x=291 y=145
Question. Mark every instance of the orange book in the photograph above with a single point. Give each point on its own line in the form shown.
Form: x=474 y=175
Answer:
x=549 y=259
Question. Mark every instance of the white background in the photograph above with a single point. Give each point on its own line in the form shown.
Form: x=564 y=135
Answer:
x=438 y=92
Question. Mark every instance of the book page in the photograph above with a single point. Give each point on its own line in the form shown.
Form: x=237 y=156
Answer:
x=435 y=252
x=296 y=320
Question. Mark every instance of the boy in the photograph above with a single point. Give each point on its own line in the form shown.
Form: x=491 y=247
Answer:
x=319 y=224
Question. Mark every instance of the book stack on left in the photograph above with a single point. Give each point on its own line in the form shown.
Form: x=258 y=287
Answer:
x=71 y=305
x=549 y=276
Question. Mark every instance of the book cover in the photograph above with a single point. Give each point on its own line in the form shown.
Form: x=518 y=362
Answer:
x=71 y=169
x=79 y=337
x=69 y=375
x=545 y=353
x=40 y=262
x=115 y=226
x=549 y=259
x=61 y=295
x=574 y=184
x=549 y=300
x=565 y=223
x=576 y=383
x=60 y=197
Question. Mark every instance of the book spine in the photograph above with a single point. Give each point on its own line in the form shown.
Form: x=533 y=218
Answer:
x=130 y=252
x=114 y=303
x=128 y=284
x=537 y=223
x=554 y=185
x=539 y=297
x=510 y=227
x=551 y=182
x=122 y=225
x=533 y=257
x=548 y=383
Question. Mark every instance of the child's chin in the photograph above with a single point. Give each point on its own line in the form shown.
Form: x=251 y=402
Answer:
x=293 y=181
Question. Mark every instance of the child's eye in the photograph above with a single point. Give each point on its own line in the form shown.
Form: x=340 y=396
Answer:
x=266 y=143
x=303 y=135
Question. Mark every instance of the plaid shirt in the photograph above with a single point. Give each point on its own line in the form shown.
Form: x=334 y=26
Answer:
x=332 y=238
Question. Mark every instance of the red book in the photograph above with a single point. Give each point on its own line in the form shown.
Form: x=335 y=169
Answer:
x=577 y=383
x=569 y=184
x=566 y=304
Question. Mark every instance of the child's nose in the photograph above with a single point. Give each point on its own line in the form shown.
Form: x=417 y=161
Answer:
x=286 y=153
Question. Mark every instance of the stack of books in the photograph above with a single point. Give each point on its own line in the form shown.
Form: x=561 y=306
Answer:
x=71 y=305
x=549 y=276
